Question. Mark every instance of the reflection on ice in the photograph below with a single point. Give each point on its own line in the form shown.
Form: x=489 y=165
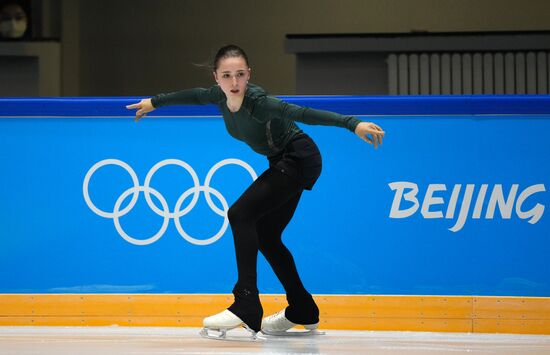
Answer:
x=147 y=340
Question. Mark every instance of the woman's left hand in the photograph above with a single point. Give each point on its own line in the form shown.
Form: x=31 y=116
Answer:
x=364 y=129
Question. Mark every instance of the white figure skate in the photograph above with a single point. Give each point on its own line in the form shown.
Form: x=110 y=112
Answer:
x=278 y=325
x=220 y=323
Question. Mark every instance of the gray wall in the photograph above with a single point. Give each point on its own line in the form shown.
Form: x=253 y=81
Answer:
x=142 y=47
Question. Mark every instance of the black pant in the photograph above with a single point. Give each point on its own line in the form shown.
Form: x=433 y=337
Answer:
x=258 y=219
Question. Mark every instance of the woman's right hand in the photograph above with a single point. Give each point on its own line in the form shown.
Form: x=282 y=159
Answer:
x=143 y=107
x=364 y=129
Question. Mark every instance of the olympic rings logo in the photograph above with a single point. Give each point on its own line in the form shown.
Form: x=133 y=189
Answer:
x=164 y=211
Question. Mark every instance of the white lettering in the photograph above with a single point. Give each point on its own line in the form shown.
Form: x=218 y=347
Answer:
x=535 y=212
x=408 y=191
x=479 y=201
x=505 y=207
x=452 y=204
x=409 y=196
x=430 y=200
x=464 y=208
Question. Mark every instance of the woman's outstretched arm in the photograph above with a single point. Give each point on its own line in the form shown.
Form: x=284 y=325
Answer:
x=196 y=96
x=271 y=107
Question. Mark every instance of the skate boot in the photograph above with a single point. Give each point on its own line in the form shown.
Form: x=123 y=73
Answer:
x=216 y=326
x=246 y=311
x=279 y=325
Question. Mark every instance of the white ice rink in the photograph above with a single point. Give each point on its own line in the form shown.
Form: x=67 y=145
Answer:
x=141 y=340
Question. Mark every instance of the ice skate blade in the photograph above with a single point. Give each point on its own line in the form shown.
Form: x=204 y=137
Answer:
x=221 y=334
x=293 y=333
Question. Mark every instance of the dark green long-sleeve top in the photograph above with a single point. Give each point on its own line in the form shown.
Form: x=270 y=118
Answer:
x=264 y=122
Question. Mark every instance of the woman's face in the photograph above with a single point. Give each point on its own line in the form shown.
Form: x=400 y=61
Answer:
x=232 y=75
x=13 y=21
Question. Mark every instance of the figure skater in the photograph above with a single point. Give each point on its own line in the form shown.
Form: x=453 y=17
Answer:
x=259 y=216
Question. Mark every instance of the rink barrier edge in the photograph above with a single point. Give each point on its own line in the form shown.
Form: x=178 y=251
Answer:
x=478 y=314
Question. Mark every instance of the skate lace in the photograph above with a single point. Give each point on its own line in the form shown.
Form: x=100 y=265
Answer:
x=276 y=315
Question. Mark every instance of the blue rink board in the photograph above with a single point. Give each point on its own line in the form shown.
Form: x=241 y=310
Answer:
x=343 y=235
